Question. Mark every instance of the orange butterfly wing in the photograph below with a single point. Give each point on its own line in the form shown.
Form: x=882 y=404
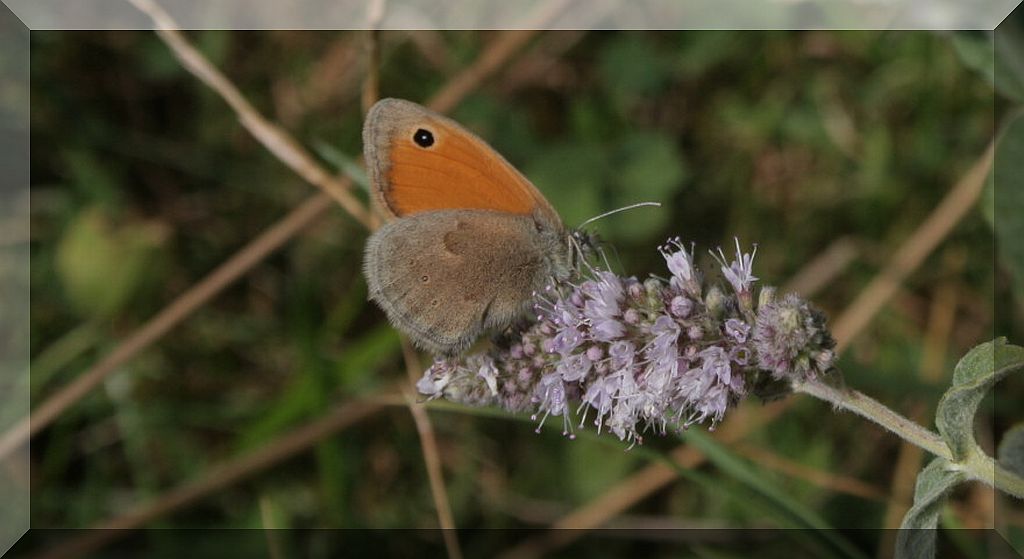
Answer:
x=421 y=161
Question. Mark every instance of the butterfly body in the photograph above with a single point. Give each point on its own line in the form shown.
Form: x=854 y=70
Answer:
x=469 y=240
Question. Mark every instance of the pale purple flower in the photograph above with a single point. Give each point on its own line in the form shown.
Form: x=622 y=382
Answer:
x=713 y=405
x=694 y=384
x=630 y=356
x=605 y=293
x=606 y=330
x=566 y=340
x=680 y=306
x=680 y=264
x=563 y=313
x=601 y=308
x=551 y=399
x=599 y=396
x=740 y=272
x=574 y=367
x=665 y=330
x=716 y=363
x=662 y=352
x=737 y=329
x=435 y=379
x=622 y=354
x=489 y=373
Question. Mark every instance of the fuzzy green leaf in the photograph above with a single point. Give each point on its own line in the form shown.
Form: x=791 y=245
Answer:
x=973 y=377
x=916 y=539
x=1011 y=450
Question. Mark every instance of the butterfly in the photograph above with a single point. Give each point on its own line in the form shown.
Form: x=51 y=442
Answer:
x=469 y=239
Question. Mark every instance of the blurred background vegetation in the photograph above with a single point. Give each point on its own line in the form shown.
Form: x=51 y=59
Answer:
x=143 y=181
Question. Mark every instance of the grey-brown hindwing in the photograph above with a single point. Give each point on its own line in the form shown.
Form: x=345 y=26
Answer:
x=445 y=277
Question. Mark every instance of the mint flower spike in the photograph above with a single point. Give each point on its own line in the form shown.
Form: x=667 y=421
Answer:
x=631 y=357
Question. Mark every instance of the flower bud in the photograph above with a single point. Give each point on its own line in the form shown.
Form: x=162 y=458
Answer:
x=714 y=301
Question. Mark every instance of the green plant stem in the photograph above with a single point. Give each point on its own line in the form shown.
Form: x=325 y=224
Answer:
x=977 y=465
x=1003 y=479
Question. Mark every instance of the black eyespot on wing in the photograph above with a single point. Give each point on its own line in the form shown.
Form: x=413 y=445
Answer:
x=423 y=138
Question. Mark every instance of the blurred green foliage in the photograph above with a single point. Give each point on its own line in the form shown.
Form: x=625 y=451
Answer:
x=144 y=181
x=101 y=268
x=1006 y=196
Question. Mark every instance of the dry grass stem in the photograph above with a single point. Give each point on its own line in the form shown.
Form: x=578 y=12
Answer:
x=826 y=480
x=279 y=142
x=432 y=48
x=371 y=83
x=433 y=463
x=494 y=57
x=911 y=254
x=544 y=65
x=216 y=478
x=179 y=309
x=431 y=455
x=823 y=268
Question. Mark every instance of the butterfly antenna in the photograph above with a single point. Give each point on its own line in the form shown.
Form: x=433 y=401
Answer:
x=617 y=210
